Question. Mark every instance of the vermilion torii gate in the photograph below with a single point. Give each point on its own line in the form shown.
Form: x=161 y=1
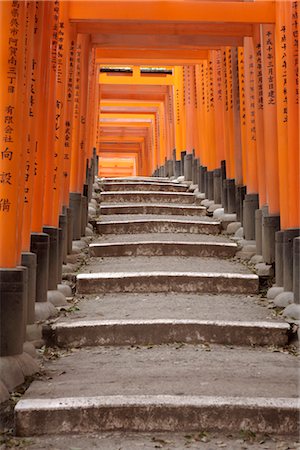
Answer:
x=233 y=101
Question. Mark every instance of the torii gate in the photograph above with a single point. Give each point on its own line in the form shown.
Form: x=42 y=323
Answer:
x=236 y=103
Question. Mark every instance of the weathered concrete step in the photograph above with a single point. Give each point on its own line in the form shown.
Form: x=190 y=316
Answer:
x=147 y=197
x=129 y=440
x=163 y=248
x=149 y=306
x=158 y=226
x=164 y=264
x=171 y=387
x=156 y=413
x=91 y=283
x=143 y=186
x=129 y=179
x=183 y=210
x=165 y=237
x=82 y=333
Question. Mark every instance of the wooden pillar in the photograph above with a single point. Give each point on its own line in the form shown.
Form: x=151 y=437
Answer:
x=282 y=112
x=49 y=150
x=178 y=111
x=41 y=120
x=252 y=178
x=68 y=124
x=243 y=112
x=219 y=107
x=259 y=117
x=78 y=81
x=291 y=13
x=237 y=138
x=211 y=114
x=12 y=169
x=32 y=48
x=270 y=118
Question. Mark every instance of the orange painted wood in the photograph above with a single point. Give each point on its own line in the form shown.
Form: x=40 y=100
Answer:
x=270 y=118
x=150 y=41
x=211 y=115
x=243 y=112
x=79 y=112
x=166 y=28
x=219 y=107
x=230 y=152
x=49 y=149
x=32 y=53
x=187 y=11
x=259 y=118
x=61 y=109
x=159 y=55
x=252 y=176
x=282 y=112
x=11 y=77
x=41 y=119
x=68 y=125
x=291 y=12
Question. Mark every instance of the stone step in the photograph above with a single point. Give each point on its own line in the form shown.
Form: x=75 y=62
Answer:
x=153 y=209
x=185 y=198
x=156 y=413
x=163 y=248
x=136 y=179
x=80 y=333
x=143 y=186
x=149 y=225
x=193 y=282
x=152 y=306
x=164 y=388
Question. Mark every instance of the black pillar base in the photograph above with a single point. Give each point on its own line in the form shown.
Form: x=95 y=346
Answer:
x=279 y=258
x=251 y=204
x=12 y=287
x=53 y=256
x=188 y=167
x=182 y=162
x=84 y=215
x=40 y=243
x=210 y=184
x=288 y=238
x=270 y=225
x=217 y=186
x=203 y=170
x=63 y=238
x=241 y=191
x=29 y=260
x=231 y=201
x=296 y=269
x=75 y=206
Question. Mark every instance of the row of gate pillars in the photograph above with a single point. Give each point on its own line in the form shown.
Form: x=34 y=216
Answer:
x=280 y=248
x=30 y=292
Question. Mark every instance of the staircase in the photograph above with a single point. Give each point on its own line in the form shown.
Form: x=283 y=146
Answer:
x=171 y=332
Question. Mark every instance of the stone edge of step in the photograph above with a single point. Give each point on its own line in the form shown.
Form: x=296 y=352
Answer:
x=82 y=333
x=220 y=323
x=181 y=221
x=156 y=413
x=167 y=243
x=116 y=275
x=159 y=193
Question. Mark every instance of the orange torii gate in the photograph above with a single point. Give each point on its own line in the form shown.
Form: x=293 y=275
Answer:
x=233 y=99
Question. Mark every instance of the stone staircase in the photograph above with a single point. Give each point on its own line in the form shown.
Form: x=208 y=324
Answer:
x=170 y=334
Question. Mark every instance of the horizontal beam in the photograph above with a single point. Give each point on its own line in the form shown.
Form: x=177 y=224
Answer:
x=153 y=41
x=148 y=61
x=105 y=78
x=173 y=10
x=166 y=28
x=159 y=55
